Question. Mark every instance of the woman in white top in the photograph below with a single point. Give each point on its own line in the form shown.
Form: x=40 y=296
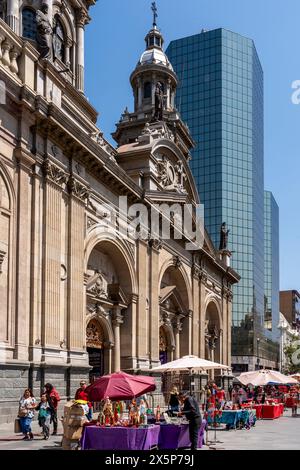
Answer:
x=27 y=404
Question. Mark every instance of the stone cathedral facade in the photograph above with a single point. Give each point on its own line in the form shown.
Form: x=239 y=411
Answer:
x=80 y=294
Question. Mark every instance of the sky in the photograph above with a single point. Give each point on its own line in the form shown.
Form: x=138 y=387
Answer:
x=115 y=40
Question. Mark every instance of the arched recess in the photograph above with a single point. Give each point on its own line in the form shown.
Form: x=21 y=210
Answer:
x=7 y=205
x=166 y=344
x=176 y=306
x=110 y=295
x=213 y=330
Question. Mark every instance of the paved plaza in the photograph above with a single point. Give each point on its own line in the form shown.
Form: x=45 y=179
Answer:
x=279 y=434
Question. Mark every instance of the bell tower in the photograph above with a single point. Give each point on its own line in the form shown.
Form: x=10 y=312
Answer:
x=154 y=85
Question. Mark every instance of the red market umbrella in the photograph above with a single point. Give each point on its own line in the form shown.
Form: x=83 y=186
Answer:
x=120 y=386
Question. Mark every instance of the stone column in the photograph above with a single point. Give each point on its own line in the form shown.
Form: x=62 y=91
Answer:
x=76 y=219
x=117 y=322
x=229 y=325
x=153 y=88
x=169 y=93
x=142 y=320
x=55 y=180
x=154 y=246
x=68 y=45
x=128 y=336
x=81 y=21
x=196 y=313
x=23 y=252
x=203 y=278
x=177 y=331
x=12 y=17
x=140 y=93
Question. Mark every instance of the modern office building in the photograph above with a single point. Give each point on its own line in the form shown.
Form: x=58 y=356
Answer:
x=221 y=99
x=271 y=225
x=290 y=307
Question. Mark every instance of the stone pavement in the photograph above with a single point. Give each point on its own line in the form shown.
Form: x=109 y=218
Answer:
x=279 y=434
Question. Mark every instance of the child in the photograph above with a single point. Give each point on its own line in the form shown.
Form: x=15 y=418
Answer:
x=44 y=415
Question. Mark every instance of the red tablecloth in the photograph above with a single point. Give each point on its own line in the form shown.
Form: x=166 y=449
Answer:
x=272 y=411
x=258 y=409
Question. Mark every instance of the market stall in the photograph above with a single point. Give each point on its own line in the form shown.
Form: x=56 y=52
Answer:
x=172 y=436
x=272 y=411
x=120 y=438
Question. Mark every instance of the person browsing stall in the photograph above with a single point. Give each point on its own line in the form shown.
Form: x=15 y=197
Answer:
x=192 y=413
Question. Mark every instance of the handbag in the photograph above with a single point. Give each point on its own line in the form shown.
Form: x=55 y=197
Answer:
x=22 y=413
x=17 y=428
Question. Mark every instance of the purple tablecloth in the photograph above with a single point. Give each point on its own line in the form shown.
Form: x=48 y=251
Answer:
x=117 y=438
x=174 y=436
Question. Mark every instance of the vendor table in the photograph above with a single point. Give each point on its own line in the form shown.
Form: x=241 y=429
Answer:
x=119 y=438
x=232 y=417
x=258 y=409
x=173 y=436
x=272 y=411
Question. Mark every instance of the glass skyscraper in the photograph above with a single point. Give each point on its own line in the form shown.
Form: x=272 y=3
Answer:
x=271 y=266
x=221 y=99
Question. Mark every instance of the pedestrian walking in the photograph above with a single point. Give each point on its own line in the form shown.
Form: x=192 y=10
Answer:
x=53 y=399
x=44 y=415
x=27 y=406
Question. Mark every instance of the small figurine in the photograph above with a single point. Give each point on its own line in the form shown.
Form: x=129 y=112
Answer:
x=108 y=413
x=134 y=413
x=157 y=415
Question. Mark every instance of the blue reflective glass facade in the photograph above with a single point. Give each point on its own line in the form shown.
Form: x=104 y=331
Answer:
x=271 y=265
x=220 y=97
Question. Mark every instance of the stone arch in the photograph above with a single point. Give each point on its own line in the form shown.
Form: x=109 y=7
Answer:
x=7 y=263
x=173 y=149
x=106 y=326
x=180 y=273
x=176 y=305
x=213 y=330
x=98 y=345
x=112 y=244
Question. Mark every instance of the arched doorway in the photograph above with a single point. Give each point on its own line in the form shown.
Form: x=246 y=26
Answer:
x=174 y=311
x=95 y=340
x=212 y=333
x=109 y=299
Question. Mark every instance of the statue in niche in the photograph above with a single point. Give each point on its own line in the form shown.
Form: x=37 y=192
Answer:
x=224 y=237
x=159 y=102
x=44 y=33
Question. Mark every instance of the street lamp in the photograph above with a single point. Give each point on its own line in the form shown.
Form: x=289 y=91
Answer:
x=258 y=361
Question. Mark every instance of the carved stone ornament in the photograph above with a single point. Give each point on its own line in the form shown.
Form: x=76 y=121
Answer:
x=155 y=243
x=177 y=262
x=171 y=177
x=196 y=271
x=94 y=335
x=53 y=173
x=2 y=256
x=212 y=334
x=163 y=342
x=82 y=17
x=77 y=189
x=98 y=290
x=91 y=222
x=166 y=174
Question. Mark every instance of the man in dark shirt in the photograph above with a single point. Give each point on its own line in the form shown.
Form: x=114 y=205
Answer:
x=192 y=412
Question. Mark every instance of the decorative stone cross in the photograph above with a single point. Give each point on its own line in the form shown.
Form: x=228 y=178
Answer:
x=155 y=15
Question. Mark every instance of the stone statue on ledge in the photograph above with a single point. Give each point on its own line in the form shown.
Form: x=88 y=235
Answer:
x=224 y=237
x=44 y=33
x=159 y=102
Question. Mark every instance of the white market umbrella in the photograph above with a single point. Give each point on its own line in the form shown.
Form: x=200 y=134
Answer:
x=295 y=376
x=263 y=377
x=189 y=363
